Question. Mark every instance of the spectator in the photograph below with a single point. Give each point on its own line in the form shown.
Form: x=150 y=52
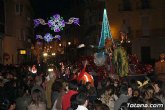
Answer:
x=157 y=102
x=159 y=89
x=109 y=97
x=82 y=101
x=122 y=98
x=74 y=103
x=23 y=100
x=37 y=102
x=58 y=91
x=130 y=91
x=12 y=105
x=37 y=85
x=73 y=87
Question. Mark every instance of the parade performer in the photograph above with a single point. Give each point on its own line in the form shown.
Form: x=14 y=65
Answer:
x=85 y=77
x=120 y=60
x=108 y=54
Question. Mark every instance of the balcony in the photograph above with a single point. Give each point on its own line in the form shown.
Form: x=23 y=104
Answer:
x=143 y=5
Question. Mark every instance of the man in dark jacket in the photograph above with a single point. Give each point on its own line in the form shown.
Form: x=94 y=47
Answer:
x=122 y=98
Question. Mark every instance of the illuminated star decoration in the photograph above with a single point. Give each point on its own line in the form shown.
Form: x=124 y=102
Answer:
x=48 y=37
x=56 y=22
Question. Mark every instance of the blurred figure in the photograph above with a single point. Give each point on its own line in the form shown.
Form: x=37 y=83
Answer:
x=130 y=91
x=73 y=87
x=23 y=100
x=159 y=89
x=58 y=90
x=160 y=65
x=74 y=103
x=157 y=102
x=102 y=107
x=123 y=97
x=82 y=101
x=12 y=106
x=37 y=102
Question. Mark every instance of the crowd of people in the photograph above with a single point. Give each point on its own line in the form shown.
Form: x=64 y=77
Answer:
x=65 y=89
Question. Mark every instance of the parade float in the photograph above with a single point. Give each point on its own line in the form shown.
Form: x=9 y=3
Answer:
x=112 y=58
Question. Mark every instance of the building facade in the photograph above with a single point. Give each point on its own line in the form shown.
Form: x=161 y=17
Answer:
x=18 y=30
x=2 y=27
x=144 y=23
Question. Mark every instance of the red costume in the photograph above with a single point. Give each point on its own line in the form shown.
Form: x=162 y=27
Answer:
x=66 y=99
x=85 y=77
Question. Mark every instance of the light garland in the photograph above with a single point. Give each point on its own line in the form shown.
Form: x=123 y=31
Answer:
x=56 y=22
x=48 y=37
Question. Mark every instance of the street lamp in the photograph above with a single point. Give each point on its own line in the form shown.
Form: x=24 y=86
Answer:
x=50 y=69
x=60 y=45
x=53 y=54
x=45 y=54
x=69 y=43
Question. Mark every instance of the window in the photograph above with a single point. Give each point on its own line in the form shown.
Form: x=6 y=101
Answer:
x=145 y=26
x=18 y=9
x=145 y=4
x=126 y=5
x=18 y=34
x=21 y=34
x=126 y=26
x=146 y=54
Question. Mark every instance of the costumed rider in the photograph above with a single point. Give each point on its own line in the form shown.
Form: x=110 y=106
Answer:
x=104 y=56
x=85 y=77
x=120 y=60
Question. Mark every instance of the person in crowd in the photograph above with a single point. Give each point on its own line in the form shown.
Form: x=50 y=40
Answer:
x=159 y=89
x=82 y=101
x=84 y=76
x=58 y=90
x=133 y=100
x=156 y=101
x=109 y=97
x=74 y=103
x=2 y=89
x=104 y=81
x=116 y=85
x=136 y=93
x=50 y=78
x=11 y=90
x=92 y=94
x=101 y=107
x=37 y=102
x=123 y=97
x=4 y=103
x=23 y=100
x=147 y=93
x=37 y=85
x=12 y=106
x=73 y=87
x=130 y=91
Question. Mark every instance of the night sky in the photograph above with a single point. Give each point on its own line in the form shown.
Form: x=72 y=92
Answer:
x=47 y=8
